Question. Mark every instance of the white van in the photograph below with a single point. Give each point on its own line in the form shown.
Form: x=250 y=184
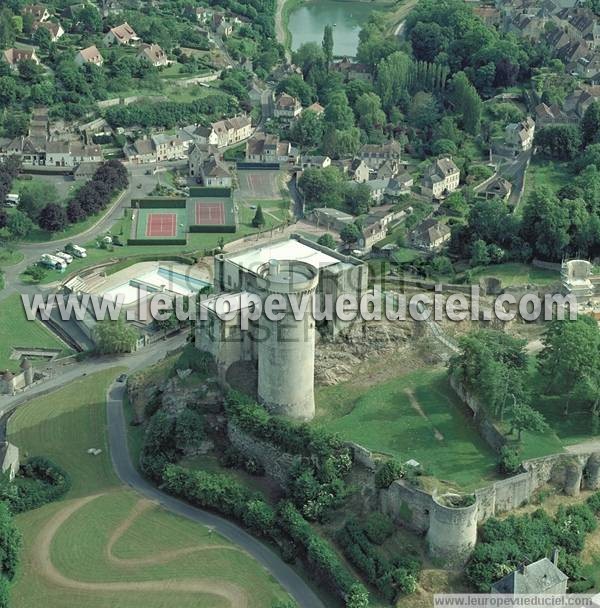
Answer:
x=64 y=256
x=52 y=261
x=77 y=251
x=11 y=200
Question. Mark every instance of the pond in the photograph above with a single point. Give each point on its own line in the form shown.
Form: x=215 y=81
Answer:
x=306 y=23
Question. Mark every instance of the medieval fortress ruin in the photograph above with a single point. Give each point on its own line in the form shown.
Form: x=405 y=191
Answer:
x=282 y=355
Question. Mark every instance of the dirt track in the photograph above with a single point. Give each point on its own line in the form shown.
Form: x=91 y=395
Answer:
x=236 y=596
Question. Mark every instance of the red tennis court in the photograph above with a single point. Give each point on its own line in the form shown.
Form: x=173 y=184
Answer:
x=161 y=224
x=210 y=213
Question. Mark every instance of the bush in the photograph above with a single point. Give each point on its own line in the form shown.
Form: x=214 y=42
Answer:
x=40 y=481
x=510 y=461
x=593 y=503
x=378 y=528
x=387 y=473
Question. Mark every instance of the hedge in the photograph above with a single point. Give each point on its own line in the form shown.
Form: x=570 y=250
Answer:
x=158 y=203
x=209 y=192
x=157 y=241
x=212 y=228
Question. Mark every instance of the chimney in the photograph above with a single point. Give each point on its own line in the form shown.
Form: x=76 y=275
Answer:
x=555 y=556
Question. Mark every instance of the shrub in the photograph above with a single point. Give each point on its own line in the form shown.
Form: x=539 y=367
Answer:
x=378 y=528
x=593 y=503
x=510 y=461
x=387 y=473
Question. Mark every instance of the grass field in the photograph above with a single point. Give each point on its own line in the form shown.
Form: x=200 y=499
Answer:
x=517 y=274
x=103 y=546
x=549 y=173
x=17 y=331
x=414 y=416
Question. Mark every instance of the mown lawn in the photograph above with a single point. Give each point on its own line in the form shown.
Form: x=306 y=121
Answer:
x=517 y=274
x=383 y=419
x=17 y=331
x=542 y=172
x=161 y=550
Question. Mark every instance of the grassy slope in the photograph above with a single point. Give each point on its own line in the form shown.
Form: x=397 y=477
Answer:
x=518 y=274
x=16 y=330
x=62 y=426
x=549 y=173
x=382 y=419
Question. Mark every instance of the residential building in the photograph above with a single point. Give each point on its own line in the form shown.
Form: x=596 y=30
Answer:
x=375 y=155
x=153 y=54
x=55 y=29
x=167 y=147
x=378 y=188
x=359 y=171
x=520 y=135
x=315 y=162
x=332 y=219
x=317 y=108
x=400 y=184
x=441 y=178
x=387 y=170
x=232 y=131
x=541 y=577
x=214 y=173
x=196 y=157
x=32 y=150
x=121 y=34
x=71 y=154
x=287 y=107
x=267 y=148
x=37 y=11
x=82 y=153
x=141 y=151
x=498 y=187
x=430 y=235
x=221 y=25
x=14 y=56
x=551 y=115
x=89 y=55
x=207 y=136
x=352 y=70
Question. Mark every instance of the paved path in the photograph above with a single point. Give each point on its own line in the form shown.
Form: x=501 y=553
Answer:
x=128 y=474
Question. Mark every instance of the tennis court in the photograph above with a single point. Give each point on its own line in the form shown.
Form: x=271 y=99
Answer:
x=210 y=213
x=161 y=224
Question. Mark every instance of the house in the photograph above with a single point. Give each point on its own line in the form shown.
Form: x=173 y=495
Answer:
x=287 y=107
x=316 y=107
x=315 y=162
x=14 y=56
x=58 y=154
x=89 y=55
x=400 y=184
x=167 y=147
x=430 y=235
x=359 y=171
x=214 y=173
x=387 y=170
x=378 y=188
x=519 y=135
x=441 y=178
x=550 y=115
x=352 y=70
x=221 y=25
x=377 y=225
x=153 y=54
x=82 y=153
x=32 y=150
x=141 y=151
x=375 y=155
x=122 y=34
x=201 y=14
x=488 y=14
x=55 y=29
x=267 y=148
x=37 y=11
x=541 y=577
x=231 y=131
x=206 y=136
x=9 y=457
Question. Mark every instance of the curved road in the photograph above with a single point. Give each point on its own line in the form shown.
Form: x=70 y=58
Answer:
x=119 y=451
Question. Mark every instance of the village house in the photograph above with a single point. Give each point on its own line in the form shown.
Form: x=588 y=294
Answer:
x=352 y=70
x=153 y=54
x=14 y=56
x=441 y=178
x=206 y=136
x=231 y=131
x=579 y=101
x=121 y=34
x=32 y=150
x=520 y=135
x=38 y=12
x=267 y=148
x=498 y=187
x=430 y=235
x=55 y=29
x=550 y=115
x=331 y=219
x=214 y=173
x=399 y=185
x=287 y=108
x=221 y=25
x=315 y=162
x=141 y=151
x=375 y=155
x=202 y=15
x=377 y=225
x=167 y=147
x=71 y=154
x=89 y=55
x=387 y=170
x=541 y=577
x=316 y=107
x=359 y=171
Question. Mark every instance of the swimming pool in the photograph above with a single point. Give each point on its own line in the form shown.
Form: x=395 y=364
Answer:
x=181 y=279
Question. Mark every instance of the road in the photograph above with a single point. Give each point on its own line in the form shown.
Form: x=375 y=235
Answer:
x=515 y=173
x=128 y=474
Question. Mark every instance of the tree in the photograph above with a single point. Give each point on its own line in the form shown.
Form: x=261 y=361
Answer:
x=3 y=219
x=525 y=418
x=428 y=40
x=350 y=233
x=115 y=337
x=358 y=597
x=19 y=225
x=259 y=219
x=36 y=195
x=327 y=240
x=371 y=118
x=558 y=141
x=10 y=543
x=590 y=124
x=53 y=218
x=307 y=130
x=296 y=86
x=357 y=198
x=43 y=38
x=466 y=102
x=328 y=44
x=479 y=256
x=338 y=113
x=423 y=111
x=322 y=187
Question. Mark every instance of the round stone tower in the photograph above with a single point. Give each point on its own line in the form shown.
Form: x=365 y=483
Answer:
x=452 y=530
x=286 y=347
